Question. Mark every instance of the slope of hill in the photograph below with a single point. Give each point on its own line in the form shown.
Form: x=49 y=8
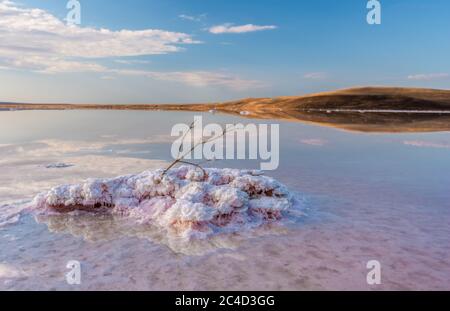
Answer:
x=366 y=98
x=368 y=109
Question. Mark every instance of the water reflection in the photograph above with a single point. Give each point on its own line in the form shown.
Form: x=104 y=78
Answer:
x=101 y=227
x=384 y=196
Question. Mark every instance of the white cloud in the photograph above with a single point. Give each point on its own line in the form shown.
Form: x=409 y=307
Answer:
x=192 y=18
x=197 y=78
x=35 y=40
x=131 y=61
x=50 y=64
x=429 y=76
x=316 y=75
x=229 y=28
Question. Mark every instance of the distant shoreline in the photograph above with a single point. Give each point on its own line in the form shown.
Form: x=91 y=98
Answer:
x=368 y=109
x=376 y=99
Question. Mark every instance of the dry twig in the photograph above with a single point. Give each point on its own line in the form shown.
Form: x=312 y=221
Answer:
x=181 y=157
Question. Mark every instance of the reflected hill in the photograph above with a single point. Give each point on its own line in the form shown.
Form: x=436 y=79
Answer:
x=366 y=109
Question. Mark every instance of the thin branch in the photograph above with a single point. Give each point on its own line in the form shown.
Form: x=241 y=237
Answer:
x=196 y=165
x=184 y=136
x=180 y=159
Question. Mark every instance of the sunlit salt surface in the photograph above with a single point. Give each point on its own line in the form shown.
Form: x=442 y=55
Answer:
x=363 y=197
x=186 y=201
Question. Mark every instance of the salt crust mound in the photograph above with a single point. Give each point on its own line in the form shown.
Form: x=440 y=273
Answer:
x=184 y=201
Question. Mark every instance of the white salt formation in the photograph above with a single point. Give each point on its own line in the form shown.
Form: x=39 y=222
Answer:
x=183 y=201
x=58 y=165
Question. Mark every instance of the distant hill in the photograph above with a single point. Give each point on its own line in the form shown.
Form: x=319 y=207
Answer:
x=366 y=109
x=365 y=98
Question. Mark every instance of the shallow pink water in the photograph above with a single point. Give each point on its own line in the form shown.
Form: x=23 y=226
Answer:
x=367 y=197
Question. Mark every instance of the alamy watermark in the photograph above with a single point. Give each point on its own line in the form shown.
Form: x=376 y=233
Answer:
x=374 y=14
x=74 y=15
x=374 y=275
x=233 y=142
x=73 y=277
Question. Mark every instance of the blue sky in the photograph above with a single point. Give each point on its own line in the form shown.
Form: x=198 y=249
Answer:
x=204 y=50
